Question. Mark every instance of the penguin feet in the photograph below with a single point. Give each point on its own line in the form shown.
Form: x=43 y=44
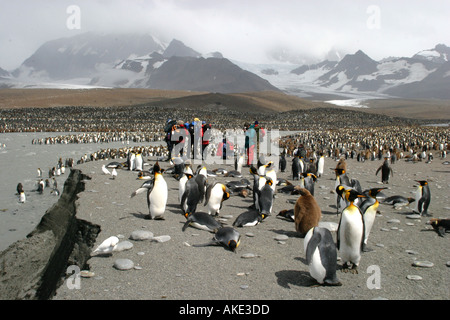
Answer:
x=346 y=268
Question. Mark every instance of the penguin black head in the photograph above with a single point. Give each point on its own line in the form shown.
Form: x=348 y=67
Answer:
x=422 y=182
x=233 y=245
x=352 y=194
x=253 y=170
x=340 y=189
x=339 y=171
x=269 y=181
x=374 y=191
x=156 y=168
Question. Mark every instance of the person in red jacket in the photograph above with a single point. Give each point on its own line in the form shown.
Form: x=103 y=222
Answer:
x=206 y=135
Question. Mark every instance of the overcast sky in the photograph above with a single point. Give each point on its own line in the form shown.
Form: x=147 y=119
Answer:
x=244 y=30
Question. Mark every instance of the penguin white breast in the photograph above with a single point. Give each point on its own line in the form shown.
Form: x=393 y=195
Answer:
x=351 y=232
x=158 y=196
x=316 y=268
x=251 y=223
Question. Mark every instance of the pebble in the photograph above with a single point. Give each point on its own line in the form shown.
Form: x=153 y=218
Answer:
x=423 y=264
x=384 y=229
x=140 y=235
x=380 y=245
x=281 y=237
x=186 y=244
x=413 y=277
x=413 y=216
x=123 y=264
x=394 y=228
x=250 y=235
x=248 y=255
x=409 y=224
x=86 y=274
x=244 y=286
x=140 y=253
x=411 y=252
x=393 y=221
x=227 y=216
x=123 y=245
x=161 y=239
x=137 y=268
x=448 y=264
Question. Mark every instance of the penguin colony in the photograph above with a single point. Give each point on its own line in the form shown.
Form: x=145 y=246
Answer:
x=201 y=197
x=352 y=235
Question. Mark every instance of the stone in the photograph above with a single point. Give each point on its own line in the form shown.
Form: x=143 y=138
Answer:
x=161 y=239
x=393 y=221
x=448 y=264
x=140 y=235
x=86 y=274
x=123 y=245
x=413 y=216
x=413 y=277
x=281 y=237
x=423 y=264
x=250 y=235
x=123 y=264
x=411 y=252
x=248 y=255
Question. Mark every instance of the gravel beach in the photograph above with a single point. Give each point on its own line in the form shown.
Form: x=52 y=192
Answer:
x=270 y=262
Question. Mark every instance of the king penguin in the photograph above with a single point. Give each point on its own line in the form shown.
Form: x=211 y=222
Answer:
x=423 y=198
x=265 y=198
x=157 y=194
x=216 y=194
x=307 y=213
x=139 y=161
x=131 y=161
x=258 y=183
x=309 y=179
x=227 y=236
x=320 y=165
x=369 y=211
x=350 y=233
x=296 y=168
x=321 y=256
x=191 y=196
x=202 y=221
x=386 y=171
x=272 y=174
x=249 y=219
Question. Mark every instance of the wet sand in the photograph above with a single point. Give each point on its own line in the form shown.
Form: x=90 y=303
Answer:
x=175 y=270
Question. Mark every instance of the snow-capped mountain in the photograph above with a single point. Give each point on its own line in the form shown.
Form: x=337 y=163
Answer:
x=425 y=75
x=83 y=55
x=132 y=61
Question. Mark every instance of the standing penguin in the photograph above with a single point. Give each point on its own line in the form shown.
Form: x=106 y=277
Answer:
x=265 y=198
x=216 y=194
x=307 y=213
x=320 y=165
x=157 y=194
x=139 y=161
x=271 y=173
x=321 y=256
x=282 y=162
x=369 y=211
x=131 y=160
x=423 y=198
x=297 y=168
x=258 y=184
x=309 y=179
x=386 y=171
x=350 y=233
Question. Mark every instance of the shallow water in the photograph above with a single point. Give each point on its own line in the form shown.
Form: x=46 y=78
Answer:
x=19 y=161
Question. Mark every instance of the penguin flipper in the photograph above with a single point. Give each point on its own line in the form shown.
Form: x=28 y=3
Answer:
x=312 y=245
x=211 y=243
x=186 y=224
